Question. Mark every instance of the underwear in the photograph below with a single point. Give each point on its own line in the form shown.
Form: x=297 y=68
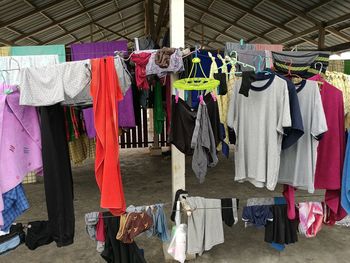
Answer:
x=182 y=125
x=257 y=215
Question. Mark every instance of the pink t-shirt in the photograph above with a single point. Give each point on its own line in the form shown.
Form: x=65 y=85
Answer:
x=331 y=149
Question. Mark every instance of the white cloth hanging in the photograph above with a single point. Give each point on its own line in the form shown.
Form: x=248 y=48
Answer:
x=48 y=85
x=13 y=65
x=177 y=247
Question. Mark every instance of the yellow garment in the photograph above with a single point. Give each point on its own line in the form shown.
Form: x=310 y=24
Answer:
x=5 y=51
x=342 y=82
x=81 y=149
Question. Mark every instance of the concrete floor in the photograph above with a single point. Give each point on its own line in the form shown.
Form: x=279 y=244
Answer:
x=147 y=180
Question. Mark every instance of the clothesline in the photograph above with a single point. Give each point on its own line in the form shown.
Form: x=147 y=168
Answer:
x=175 y=210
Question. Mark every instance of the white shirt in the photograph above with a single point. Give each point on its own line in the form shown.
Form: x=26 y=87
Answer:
x=298 y=162
x=258 y=121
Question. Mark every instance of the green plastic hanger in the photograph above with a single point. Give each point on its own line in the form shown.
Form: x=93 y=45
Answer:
x=196 y=83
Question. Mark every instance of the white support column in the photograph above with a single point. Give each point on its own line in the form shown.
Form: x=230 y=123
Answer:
x=177 y=39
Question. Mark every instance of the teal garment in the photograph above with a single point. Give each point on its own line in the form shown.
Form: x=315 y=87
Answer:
x=59 y=50
x=158 y=111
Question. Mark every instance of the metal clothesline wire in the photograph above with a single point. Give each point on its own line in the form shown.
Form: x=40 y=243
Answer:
x=25 y=221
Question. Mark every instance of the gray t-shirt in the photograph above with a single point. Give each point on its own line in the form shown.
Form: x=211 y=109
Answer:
x=298 y=162
x=258 y=121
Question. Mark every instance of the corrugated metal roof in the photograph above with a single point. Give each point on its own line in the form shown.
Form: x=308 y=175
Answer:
x=24 y=22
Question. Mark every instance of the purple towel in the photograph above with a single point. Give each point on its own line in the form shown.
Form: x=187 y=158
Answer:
x=126 y=117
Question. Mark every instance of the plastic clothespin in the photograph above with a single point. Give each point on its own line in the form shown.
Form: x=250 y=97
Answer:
x=176 y=96
x=201 y=101
x=213 y=96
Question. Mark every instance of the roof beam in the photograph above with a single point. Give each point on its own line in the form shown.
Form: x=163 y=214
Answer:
x=115 y=32
x=97 y=20
x=308 y=10
x=338 y=34
x=241 y=17
x=107 y=35
x=161 y=18
x=292 y=10
x=26 y=15
x=6 y=42
x=130 y=33
x=222 y=18
x=20 y=32
x=258 y=15
x=120 y=14
x=318 y=5
x=149 y=17
x=340 y=47
x=50 y=18
x=212 y=40
x=70 y=17
x=91 y=19
x=321 y=38
x=315 y=28
x=209 y=26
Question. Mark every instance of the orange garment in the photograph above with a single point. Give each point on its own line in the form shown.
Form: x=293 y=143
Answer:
x=106 y=93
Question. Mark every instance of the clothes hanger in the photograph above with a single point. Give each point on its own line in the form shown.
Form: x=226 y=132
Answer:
x=292 y=75
x=196 y=83
x=260 y=63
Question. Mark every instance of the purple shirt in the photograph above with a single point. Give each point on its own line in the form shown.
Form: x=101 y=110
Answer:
x=20 y=140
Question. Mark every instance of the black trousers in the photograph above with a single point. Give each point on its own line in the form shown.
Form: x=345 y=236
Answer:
x=57 y=175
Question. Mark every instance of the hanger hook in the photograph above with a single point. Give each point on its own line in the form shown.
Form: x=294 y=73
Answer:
x=318 y=62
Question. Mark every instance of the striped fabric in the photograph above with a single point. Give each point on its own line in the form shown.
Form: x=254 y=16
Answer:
x=303 y=63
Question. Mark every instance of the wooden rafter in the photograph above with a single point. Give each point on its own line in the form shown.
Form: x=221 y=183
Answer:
x=238 y=19
x=149 y=17
x=50 y=19
x=209 y=26
x=114 y=37
x=115 y=32
x=211 y=40
x=299 y=13
x=107 y=35
x=97 y=20
x=16 y=31
x=309 y=10
x=28 y=14
x=70 y=17
x=308 y=31
x=338 y=34
x=91 y=19
x=120 y=14
x=164 y=5
x=222 y=18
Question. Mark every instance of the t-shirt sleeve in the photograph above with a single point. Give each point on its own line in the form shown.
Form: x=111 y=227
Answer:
x=284 y=119
x=319 y=123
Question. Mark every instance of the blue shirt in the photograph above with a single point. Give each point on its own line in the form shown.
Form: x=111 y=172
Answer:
x=15 y=204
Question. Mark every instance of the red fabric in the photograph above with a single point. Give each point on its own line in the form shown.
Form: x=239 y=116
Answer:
x=331 y=149
x=289 y=195
x=106 y=93
x=100 y=228
x=141 y=60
